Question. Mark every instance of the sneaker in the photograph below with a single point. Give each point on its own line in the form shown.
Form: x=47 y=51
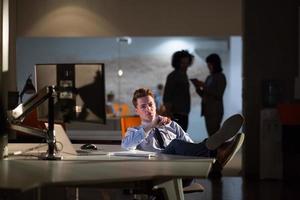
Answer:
x=228 y=130
x=227 y=150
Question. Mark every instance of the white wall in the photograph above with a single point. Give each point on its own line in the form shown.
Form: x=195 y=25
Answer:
x=234 y=78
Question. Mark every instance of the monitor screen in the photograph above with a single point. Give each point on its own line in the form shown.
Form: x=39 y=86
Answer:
x=80 y=91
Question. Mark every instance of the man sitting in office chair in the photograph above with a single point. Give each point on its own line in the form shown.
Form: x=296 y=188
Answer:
x=159 y=134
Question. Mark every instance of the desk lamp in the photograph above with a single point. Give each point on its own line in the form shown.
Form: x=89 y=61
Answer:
x=48 y=93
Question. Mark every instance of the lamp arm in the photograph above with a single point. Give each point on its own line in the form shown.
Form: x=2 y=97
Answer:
x=46 y=93
x=30 y=130
x=24 y=108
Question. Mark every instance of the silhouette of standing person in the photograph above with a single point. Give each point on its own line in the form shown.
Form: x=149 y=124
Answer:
x=177 y=98
x=211 y=91
x=91 y=108
x=158 y=93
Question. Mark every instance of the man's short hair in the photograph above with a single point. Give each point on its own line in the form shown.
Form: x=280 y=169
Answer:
x=139 y=93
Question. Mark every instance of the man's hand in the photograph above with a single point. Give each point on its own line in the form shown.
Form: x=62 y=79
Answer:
x=197 y=83
x=161 y=120
x=157 y=122
x=166 y=110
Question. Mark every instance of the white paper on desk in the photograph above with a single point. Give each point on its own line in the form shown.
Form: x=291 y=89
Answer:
x=133 y=153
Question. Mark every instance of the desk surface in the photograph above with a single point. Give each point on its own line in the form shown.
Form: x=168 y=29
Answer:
x=23 y=174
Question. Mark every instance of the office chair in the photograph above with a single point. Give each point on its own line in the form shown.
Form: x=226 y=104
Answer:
x=129 y=121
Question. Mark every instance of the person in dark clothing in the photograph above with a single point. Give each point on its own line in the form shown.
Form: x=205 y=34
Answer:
x=177 y=98
x=211 y=91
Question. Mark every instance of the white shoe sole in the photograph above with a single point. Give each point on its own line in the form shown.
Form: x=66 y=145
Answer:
x=240 y=139
x=228 y=130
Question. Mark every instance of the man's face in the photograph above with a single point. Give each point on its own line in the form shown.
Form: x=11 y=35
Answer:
x=146 y=108
x=184 y=63
x=210 y=67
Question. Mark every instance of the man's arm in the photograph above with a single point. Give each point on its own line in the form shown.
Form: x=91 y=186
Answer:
x=169 y=95
x=198 y=86
x=181 y=134
x=134 y=136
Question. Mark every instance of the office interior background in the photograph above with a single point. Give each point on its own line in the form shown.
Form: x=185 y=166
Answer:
x=268 y=47
x=145 y=62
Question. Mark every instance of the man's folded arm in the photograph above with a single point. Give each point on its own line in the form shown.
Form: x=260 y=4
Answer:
x=133 y=137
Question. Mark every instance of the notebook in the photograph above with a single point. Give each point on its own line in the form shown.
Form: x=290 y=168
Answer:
x=134 y=153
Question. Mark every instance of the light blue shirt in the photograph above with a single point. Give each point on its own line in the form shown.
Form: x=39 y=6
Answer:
x=136 y=138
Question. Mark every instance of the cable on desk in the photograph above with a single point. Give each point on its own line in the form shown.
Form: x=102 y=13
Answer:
x=23 y=153
x=27 y=150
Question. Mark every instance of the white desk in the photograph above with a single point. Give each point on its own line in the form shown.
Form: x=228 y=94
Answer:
x=166 y=172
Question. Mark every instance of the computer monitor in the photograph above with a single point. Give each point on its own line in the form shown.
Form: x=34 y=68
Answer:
x=80 y=91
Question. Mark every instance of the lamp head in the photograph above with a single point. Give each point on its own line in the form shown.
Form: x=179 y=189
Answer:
x=28 y=88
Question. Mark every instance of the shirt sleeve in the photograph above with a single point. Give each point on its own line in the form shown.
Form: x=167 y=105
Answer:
x=134 y=136
x=181 y=134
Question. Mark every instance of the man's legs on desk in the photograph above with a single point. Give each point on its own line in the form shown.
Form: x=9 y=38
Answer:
x=209 y=146
x=215 y=146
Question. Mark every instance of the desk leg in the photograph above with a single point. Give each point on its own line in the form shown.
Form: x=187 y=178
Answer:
x=72 y=193
x=172 y=189
x=38 y=193
x=77 y=193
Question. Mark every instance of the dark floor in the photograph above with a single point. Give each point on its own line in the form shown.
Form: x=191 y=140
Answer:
x=235 y=188
x=227 y=188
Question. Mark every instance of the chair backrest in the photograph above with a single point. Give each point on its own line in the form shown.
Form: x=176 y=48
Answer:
x=129 y=121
